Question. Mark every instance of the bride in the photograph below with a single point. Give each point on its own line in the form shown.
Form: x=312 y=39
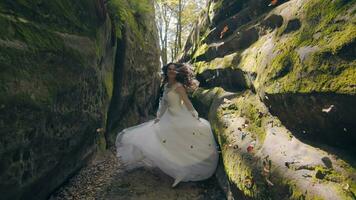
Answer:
x=178 y=142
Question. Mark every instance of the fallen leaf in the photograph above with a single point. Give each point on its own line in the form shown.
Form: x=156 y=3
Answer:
x=225 y=29
x=327 y=110
x=274 y=2
x=269 y=182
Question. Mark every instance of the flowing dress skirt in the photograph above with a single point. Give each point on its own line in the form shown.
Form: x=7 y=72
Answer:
x=179 y=144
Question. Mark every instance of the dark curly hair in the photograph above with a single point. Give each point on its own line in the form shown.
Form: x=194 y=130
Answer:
x=185 y=75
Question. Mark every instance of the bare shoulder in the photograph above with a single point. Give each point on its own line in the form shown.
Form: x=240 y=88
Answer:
x=179 y=84
x=180 y=88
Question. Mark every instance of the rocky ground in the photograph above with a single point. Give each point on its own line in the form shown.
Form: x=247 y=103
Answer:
x=103 y=179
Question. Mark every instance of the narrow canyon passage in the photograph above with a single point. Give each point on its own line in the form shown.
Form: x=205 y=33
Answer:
x=277 y=84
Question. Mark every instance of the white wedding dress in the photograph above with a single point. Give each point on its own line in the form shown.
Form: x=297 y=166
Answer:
x=179 y=144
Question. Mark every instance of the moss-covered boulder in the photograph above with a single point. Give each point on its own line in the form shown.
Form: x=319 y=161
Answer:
x=262 y=158
x=309 y=73
x=58 y=73
x=298 y=55
x=56 y=62
x=297 y=58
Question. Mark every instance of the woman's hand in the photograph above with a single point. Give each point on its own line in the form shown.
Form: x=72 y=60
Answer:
x=195 y=114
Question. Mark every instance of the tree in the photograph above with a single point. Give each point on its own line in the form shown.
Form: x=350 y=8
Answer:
x=175 y=19
x=163 y=19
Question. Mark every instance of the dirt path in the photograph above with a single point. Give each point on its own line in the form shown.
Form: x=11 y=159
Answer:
x=102 y=179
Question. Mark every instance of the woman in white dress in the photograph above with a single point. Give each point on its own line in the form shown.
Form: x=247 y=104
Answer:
x=178 y=142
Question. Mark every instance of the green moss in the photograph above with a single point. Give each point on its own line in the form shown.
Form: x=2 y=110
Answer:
x=30 y=53
x=140 y=6
x=248 y=107
x=109 y=83
x=340 y=38
x=239 y=165
x=318 y=73
x=201 y=50
x=321 y=72
x=296 y=193
x=101 y=142
x=33 y=36
x=322 y=12
x=63 y=16
x=234 y=164
x=31 y=80
x=250 y=59
x=214 y=7
x=206 y=96
x=324 y=70
x=238 y=171
x=326 y=174
x=127 y=12
x=217 y=63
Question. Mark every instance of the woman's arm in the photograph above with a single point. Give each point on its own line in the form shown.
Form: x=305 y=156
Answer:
x=161 y=108
x=181 y=91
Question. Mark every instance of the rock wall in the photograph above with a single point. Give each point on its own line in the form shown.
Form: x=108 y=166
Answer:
x=58 y=74
x=137 y=70
x=278 y=85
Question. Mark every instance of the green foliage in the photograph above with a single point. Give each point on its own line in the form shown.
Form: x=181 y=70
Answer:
x=139 y=7
x=123 y=11
x=168 y=13
x=119 y=14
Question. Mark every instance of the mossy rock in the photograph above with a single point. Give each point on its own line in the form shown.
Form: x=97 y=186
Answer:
x=274 y=167
x=65 y=16
x=319 y=56
x=56 y=59
x=327 y=68
x=138 y=68
x=228 y=61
